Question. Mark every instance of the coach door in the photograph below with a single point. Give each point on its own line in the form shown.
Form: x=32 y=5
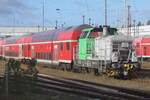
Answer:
x=75 y=54
x=32 y=52
x=20 y=51
x=55 y=53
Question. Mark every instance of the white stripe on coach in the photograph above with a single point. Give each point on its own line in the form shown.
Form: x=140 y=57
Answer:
x=42 y=42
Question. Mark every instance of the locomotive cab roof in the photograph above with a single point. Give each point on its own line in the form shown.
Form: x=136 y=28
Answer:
x=118 y=38
x=90 y=32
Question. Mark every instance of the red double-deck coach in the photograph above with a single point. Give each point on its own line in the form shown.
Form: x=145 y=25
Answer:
x=53 y=47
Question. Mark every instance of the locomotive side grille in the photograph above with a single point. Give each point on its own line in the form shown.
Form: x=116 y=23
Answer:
x=116 y=46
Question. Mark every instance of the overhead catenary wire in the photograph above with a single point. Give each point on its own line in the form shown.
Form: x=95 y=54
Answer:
x=43 y=15
x=105 y=12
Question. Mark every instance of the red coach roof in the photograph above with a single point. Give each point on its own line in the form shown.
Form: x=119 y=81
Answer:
x=70 y=33
x=25 y=39
x=142 y=40
x=146 y=39
x=12 y=40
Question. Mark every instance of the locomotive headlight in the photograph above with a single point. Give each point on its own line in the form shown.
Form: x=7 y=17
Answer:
x=125 y=65
x=131 y=66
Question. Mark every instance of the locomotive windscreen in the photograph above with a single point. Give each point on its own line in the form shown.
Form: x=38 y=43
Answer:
x=84 y=34
x=123 y=54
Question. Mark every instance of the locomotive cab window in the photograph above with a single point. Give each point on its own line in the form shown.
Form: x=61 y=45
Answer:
x=95 y=32
x=84 y=34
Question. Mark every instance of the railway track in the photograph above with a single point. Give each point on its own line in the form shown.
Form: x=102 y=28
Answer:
x=121 y=89
x=47 y=83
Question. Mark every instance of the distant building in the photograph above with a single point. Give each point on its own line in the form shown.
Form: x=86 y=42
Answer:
x=136 y=31
x=20 y=30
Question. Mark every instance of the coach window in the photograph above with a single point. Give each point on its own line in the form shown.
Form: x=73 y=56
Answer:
x=49 y=54
x=35 y=55
x=67 y=46
x=40 y=55
x=46 y=55
x=61 y=46
x=43 y=55
x=28 y=47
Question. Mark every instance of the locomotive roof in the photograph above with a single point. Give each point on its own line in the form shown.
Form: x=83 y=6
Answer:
x=70 y=33
x=120 y=37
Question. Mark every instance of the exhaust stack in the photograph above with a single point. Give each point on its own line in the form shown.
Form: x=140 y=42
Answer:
x=105 y=30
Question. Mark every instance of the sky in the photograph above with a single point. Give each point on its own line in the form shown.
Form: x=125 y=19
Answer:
x=29 y=12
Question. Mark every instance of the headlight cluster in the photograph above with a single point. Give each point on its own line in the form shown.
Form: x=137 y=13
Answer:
x=128 y=67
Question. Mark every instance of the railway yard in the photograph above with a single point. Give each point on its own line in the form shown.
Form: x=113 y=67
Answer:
x=68 y=64
x=79 y=83
x=141 y=82
x=64 y=59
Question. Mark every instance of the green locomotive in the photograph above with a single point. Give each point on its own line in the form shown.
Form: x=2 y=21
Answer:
x=106 y=51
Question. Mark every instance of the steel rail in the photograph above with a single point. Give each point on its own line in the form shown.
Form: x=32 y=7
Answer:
x=88 y=89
